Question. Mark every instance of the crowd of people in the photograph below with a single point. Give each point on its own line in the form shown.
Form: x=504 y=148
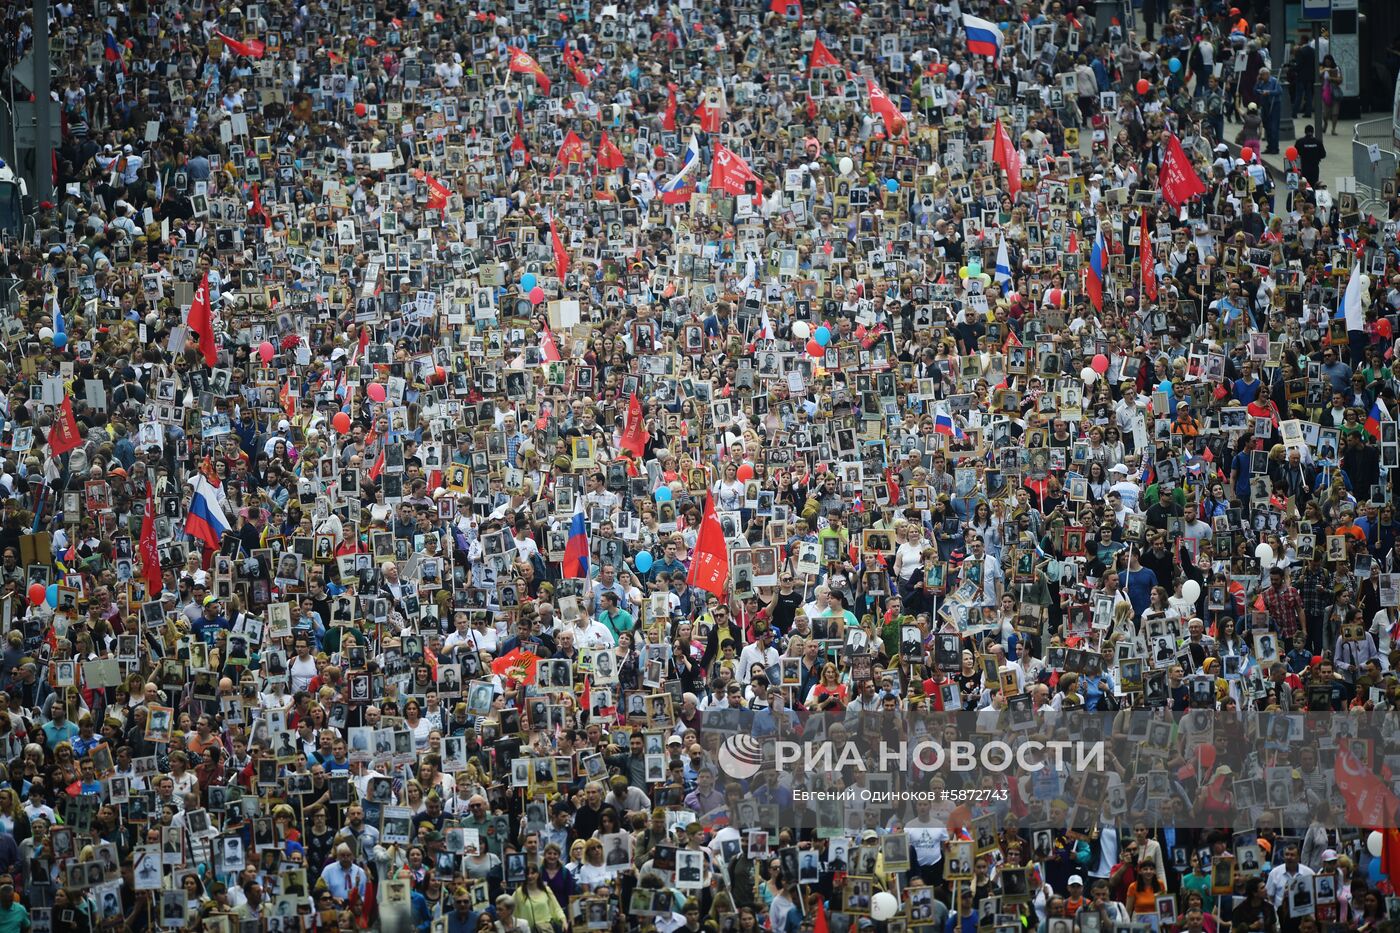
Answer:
x=434 y=434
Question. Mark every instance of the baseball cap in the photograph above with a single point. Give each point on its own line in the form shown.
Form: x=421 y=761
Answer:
x=1075 y=879
x=1329 y=855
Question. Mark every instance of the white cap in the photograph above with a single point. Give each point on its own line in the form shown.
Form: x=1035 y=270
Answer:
x=1075 y=879
x=283 y=425
x=1118 y=468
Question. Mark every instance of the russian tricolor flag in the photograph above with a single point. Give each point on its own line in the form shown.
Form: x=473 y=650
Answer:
x=1093 y=282
x=576 y=551
x=692 y=159
x=206 y=520
x=983 y=36
x=1374 y=419
x=943 y=424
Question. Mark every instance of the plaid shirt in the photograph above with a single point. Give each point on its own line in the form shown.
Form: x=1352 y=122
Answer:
x=1285 y=607
x=1315 y=587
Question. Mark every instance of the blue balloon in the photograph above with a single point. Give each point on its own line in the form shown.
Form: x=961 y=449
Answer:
x=822 y=336
x=1374 y=873
x=527 y=281
x=60 y=340
x=1174 y=64
x=892 y=186
x=1166 y=386
x=643 y=560
x=51 y=595
x=663 y=493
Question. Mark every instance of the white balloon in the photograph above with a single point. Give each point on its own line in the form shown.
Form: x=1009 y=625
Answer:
x=1374 y=843
x=1191 y=590
x=801 y=330
x=883 y=906
x=1263 y=551
x=1088 y=375
x=45 y=333
x=845 y=165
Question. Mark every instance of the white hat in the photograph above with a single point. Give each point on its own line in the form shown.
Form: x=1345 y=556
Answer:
x=283 y=425
x=1075 y=879
x=1118 y=468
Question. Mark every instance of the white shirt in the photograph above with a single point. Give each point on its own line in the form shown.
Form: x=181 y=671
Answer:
x=1281 y=881
x=755 y=654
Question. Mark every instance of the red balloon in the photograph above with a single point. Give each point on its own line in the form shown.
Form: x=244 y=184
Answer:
x=341 y=423
x=815 y=349
x=1057 y=297
x=376 y=391
x=36 y=593
x=1143 y=86
x=361 y=109
x=1291 y=153
x=1247 y=154
x=1099 y=363
x=745 y=472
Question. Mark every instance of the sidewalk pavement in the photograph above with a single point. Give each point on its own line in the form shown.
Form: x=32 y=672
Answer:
x=1338 y=163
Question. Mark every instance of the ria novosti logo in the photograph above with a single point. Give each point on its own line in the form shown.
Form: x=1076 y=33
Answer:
x=740 y=756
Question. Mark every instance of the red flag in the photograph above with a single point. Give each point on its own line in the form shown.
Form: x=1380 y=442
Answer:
x=811 y=109
x=437 y=191
x=548 y=348
x=728 y=173
x=820 y=57
x=709 y=564
x=892 y=486
x=378 y=466
x=820 y=925
x=150 y=553
x=360 y=347
x=201 y=322
x=634 y=429
x=1369 y=801
x=258 y=206
x=1005 y=154
x=571 y=150
x=1148 y=261
x=668 y=122
x=522 y=63
x=880 y=103
x=288 y=400
x=63 y=435
x=609 y=156
x=561 y=255
x=518 y=145
x=518 y=665
x=711 y=117
x=585 y=699
x=1179 y=181
x=573 y=59
x=250 y=49
x=781 y=7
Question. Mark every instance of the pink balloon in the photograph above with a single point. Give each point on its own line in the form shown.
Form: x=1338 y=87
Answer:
x=1099 y=363
x=536 y=295
x=265 y=352
x=376 y=391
